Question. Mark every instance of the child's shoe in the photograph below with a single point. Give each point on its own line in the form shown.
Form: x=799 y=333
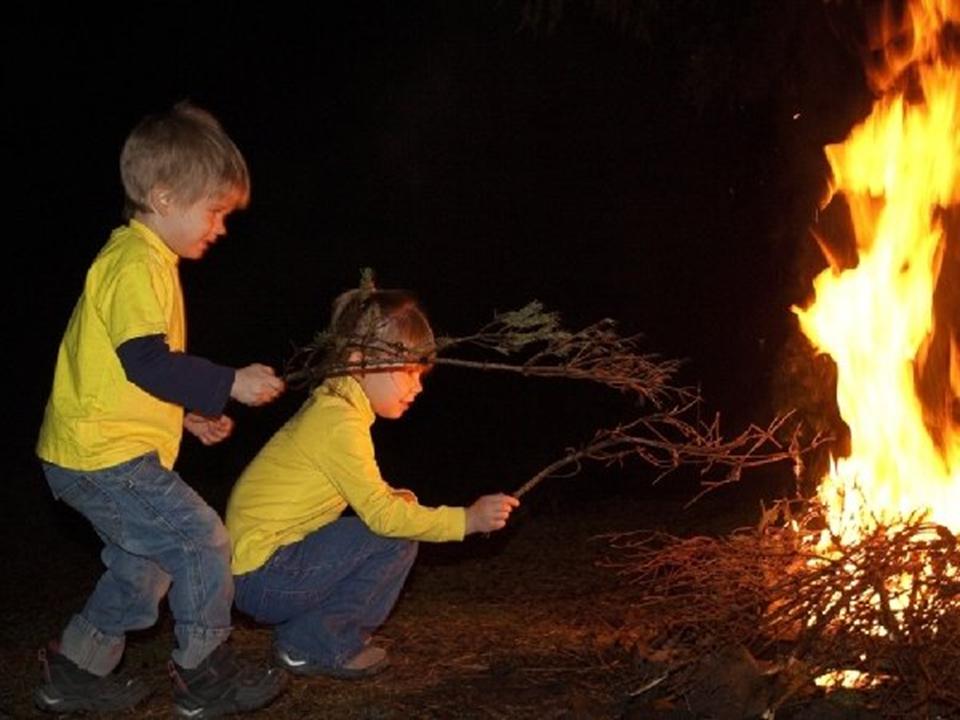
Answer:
x=67 y=688
x=222 y=684
x=369 y=661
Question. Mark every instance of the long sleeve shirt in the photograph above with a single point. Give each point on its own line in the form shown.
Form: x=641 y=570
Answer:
x=193 y=382
x=316 y=465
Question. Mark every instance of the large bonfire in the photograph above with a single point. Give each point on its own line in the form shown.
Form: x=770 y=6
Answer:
x=857 y=586
x=898 y=172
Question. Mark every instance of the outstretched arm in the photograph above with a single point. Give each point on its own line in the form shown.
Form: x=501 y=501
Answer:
x=194 y=382
x=186 y=380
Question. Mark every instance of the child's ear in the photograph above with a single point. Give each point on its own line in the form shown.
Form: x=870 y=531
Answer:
x=355 y=359
x=160 y=199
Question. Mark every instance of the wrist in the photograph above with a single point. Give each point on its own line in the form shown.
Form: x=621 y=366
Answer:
x=469 y=522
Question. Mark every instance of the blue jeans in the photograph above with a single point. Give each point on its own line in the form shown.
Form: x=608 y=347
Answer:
x=156 y=530
x=325 y=594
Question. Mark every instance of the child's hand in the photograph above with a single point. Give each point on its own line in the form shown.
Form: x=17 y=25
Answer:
x=490 y=513
x=208 y=430
x=256 y=385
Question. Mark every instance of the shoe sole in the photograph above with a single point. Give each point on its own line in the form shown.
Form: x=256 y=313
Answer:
x=219 y=710
x=48 y=701
x=229 y=706
x=336 y=673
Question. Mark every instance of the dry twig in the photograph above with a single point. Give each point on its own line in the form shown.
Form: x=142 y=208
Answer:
x=667 y=440
x=887 y=605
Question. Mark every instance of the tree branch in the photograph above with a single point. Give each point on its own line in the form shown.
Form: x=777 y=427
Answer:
x=531 y=342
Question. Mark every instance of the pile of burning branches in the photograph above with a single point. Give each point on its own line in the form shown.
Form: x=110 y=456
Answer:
x=532 y=342
x=880 y=613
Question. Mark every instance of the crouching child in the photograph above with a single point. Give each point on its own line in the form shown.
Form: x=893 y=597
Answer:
x=324 y=581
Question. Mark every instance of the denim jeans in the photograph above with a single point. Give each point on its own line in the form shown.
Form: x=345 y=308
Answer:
x=325 y=594
x=156 y=531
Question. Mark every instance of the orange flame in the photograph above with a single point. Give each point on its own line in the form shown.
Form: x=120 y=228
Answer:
x=898 y=170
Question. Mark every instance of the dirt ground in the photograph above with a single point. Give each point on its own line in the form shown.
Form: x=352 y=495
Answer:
x=521 y=624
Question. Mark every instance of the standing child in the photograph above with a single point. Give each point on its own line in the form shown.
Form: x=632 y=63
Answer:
x=112 y=428
x=325 y=582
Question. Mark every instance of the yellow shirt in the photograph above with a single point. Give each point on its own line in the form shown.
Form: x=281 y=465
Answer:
x=318 y=463
x=95 y=417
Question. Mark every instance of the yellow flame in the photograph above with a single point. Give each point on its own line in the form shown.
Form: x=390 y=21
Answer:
x=897 y=171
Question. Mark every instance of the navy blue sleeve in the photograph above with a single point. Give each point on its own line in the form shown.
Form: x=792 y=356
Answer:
x=193 y=382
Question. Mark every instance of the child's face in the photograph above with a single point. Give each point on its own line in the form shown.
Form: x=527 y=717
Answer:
x=190 y=229
x=392 y=392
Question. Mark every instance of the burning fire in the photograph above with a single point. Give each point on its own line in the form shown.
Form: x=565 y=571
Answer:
x=898 y=171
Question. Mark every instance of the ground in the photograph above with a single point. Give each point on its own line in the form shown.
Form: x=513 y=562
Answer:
x=520 y=624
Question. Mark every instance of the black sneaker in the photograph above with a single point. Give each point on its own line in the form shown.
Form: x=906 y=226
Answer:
x=67 y=688
x=223 y=684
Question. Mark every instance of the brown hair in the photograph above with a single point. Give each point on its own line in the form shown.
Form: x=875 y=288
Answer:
x=385 y=325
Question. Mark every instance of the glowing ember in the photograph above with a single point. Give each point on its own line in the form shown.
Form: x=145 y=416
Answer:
x=897 y=171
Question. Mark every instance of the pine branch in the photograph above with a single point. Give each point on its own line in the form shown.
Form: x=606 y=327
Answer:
x=530 y=338
x=532 y=342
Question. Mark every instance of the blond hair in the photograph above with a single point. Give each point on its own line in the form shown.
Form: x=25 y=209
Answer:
x=186 y=150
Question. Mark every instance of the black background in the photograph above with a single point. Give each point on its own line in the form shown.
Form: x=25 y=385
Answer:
x=664 y=175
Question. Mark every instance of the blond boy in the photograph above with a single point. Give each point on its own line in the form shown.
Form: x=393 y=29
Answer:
x=123 y=391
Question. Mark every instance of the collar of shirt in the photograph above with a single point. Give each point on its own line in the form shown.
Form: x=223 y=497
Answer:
x=155 y=241
x=350 y=390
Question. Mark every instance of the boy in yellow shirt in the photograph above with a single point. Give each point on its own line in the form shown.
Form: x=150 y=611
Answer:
x=112 y=428
x=325 y=582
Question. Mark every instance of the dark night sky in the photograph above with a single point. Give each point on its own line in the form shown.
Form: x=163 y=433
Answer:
x=662 y=180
